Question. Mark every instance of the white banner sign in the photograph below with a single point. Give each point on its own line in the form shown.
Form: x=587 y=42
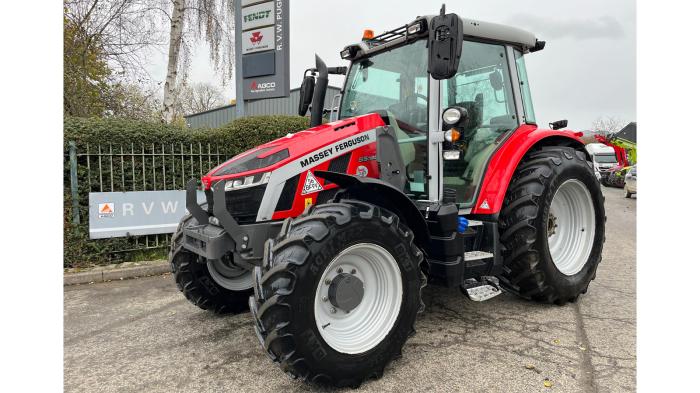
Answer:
x=258 y=15
x=119 y=214
x=258 y=40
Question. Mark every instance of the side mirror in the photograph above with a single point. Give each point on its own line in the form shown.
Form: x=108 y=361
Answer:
x=306 y=94
x=444 y=45
x=555 y=125
x=496 y=81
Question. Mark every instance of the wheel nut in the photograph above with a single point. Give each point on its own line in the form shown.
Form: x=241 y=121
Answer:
x=353 y=271
x=325 y=298
x=328 y=281
x=340 y=270
x=332 y=310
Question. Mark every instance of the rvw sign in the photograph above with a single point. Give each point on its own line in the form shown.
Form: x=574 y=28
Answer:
x=119 y=214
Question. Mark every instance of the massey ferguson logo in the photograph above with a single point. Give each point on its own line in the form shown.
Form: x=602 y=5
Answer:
x=256 y=37
x=256 y=87
x=338 y=148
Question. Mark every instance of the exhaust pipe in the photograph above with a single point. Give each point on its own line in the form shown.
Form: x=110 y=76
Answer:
x=319 y=93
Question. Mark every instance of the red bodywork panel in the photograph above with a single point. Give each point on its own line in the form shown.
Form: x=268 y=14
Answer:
x=300 y=201
x=302 y=143
x=504 y=161
x=493 y=188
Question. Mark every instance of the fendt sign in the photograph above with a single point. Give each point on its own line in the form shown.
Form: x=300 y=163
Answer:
x=258 y=15
x=264 y=38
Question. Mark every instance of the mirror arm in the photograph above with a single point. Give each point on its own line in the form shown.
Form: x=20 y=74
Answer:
x=319 y=93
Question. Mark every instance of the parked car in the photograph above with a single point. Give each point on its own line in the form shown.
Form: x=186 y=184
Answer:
x=631 y=182
x=603 y=157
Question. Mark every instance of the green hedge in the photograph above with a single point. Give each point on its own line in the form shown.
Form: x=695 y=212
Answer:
x=239 y=135
x=232 y=138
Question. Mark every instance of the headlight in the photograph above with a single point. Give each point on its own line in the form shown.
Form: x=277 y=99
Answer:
x=451 y=116
x=248 y=181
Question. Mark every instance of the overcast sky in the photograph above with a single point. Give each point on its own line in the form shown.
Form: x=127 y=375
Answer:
x=587 y=70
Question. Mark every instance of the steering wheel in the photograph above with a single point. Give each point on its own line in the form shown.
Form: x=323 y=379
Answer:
x=413 y=113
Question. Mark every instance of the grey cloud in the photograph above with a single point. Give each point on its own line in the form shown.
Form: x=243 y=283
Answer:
x=605 y=27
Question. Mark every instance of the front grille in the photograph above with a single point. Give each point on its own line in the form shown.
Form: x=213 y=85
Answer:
x=244 y=204
x=340 y=164
x=288 y=193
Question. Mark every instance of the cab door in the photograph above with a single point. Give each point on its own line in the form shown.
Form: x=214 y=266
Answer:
x=483 y=87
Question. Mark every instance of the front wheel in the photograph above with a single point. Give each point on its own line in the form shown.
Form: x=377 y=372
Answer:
x=338 y=292
x=219 y=286
x=552 y=226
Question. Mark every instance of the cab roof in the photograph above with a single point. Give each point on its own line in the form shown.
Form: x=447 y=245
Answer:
x=472 y=28
x=498 y=32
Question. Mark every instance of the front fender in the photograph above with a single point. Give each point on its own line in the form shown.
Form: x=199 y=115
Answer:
x=383 y=194
x=506 y=159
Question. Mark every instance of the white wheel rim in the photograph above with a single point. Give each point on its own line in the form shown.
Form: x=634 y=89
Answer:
x=233 y=278
x=571 y=227
x=365 y=326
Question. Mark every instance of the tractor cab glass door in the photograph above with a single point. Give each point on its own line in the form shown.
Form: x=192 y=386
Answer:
x=483 y=87
x=395 y=82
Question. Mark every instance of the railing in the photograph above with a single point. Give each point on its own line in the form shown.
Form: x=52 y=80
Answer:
x=134 y=167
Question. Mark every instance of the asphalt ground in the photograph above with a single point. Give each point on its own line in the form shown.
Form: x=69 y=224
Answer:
x=141 y=335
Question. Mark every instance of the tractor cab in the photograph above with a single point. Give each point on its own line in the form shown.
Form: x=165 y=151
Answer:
x=448 y=122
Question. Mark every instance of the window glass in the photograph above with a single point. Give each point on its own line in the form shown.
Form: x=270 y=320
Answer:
x=481 y=86
x=395 y=82
x=525 y=88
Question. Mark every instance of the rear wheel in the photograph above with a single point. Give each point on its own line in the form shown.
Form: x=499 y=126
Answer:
x=627 y=193
x=218 y=286
x=552 y=226
x=338 y=292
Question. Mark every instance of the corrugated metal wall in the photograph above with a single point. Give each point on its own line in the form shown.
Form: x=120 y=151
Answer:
x=272 y=106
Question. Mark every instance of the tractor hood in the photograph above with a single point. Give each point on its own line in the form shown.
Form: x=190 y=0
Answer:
x=300 y=145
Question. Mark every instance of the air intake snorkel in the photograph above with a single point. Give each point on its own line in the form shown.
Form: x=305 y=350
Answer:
x=319 y=93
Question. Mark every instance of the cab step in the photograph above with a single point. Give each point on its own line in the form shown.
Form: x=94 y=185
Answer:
x=476 y=255
x=479 y=291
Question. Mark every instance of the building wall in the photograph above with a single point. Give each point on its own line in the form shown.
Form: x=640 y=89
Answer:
x=273 y=106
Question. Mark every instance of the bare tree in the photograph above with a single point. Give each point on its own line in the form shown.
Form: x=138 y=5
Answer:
x=133 y=101
x=608 y=125
x=196 y=98
x=192 y=21
x=124 y=30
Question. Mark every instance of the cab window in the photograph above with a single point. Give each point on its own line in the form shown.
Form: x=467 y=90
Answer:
x=481 y=86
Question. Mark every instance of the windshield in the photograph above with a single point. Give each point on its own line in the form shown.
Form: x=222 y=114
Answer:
x=395 y=81
x=606 y=158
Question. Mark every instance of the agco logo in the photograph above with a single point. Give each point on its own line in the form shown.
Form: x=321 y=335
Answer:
x=264 y=86
x=256 y=37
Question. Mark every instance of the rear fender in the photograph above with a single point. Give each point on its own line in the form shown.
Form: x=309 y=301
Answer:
x=506 y=159
x=383 y=194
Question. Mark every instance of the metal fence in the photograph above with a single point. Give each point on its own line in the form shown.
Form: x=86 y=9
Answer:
x=135 y=167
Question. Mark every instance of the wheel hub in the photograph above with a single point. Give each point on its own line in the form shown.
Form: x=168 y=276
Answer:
x=358 y=298
x=571 y=227
x=229 y=275
x=551 y=225
x=346 y=291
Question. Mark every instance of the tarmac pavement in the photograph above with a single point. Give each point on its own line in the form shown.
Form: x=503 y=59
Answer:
x=141 y=335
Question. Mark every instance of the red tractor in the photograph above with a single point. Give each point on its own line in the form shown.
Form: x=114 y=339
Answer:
x=431 y=170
